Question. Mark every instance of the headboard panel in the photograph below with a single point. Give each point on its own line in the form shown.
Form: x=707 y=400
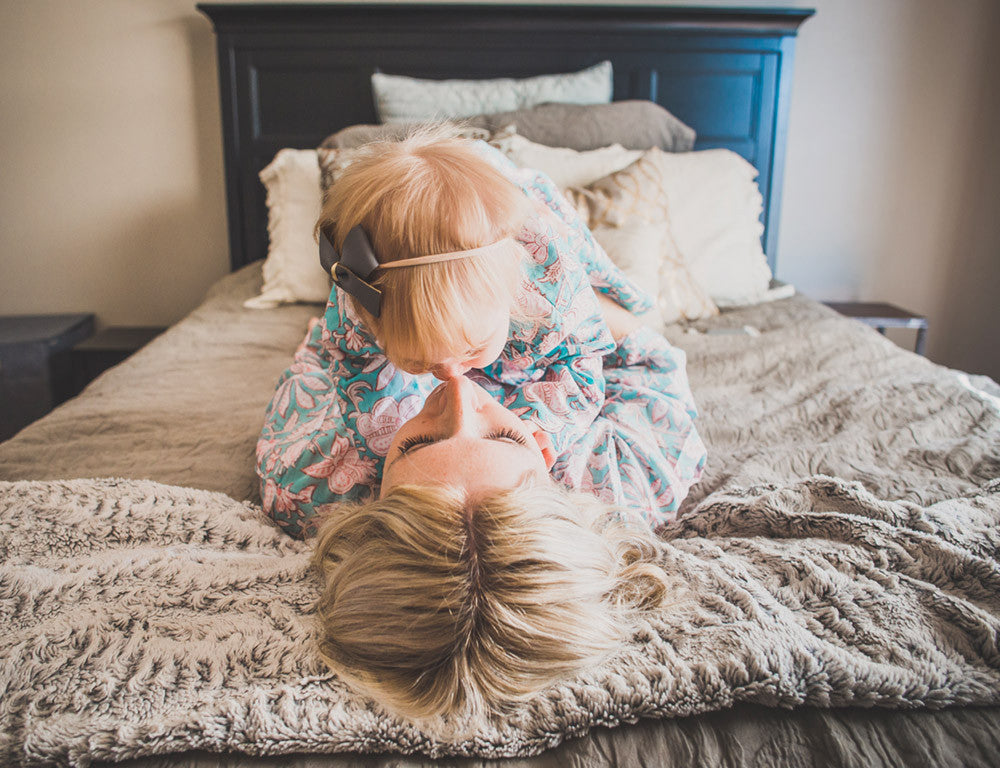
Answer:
x=292 y=74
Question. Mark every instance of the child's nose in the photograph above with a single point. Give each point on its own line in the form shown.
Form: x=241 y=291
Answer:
x=449 y=369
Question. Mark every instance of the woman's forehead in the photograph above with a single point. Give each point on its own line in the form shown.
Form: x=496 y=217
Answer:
x=474 y=463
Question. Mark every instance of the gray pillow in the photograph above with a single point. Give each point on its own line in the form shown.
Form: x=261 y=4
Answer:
x=633 y=124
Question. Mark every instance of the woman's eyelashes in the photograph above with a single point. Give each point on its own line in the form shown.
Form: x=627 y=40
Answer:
x=505 y=433
x=412 y=442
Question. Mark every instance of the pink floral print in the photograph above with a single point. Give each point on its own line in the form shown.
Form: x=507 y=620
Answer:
x=328 y=427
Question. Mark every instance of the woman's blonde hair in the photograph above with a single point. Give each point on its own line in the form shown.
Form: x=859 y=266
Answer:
x=448 y=608
x=431 y=193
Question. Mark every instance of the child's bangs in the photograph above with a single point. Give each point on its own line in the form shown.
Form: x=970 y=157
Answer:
x=440 y=311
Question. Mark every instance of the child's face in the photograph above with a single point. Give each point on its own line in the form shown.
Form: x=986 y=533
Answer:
x=481 y=355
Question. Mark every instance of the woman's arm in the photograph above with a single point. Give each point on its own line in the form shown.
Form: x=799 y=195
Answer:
x=643 y=452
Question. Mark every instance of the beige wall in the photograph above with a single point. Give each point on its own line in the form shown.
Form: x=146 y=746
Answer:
x=112 y=198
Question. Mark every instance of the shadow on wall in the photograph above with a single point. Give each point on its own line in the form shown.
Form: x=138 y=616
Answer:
x=162 y=259
x=183 y=241
x=968 y=328
x=208 y=120
x=164 y=250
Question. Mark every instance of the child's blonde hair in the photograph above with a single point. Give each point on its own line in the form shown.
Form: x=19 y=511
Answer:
x=447 y=608
x=431 y=193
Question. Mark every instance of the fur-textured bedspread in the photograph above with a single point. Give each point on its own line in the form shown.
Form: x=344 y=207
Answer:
x=140 y=618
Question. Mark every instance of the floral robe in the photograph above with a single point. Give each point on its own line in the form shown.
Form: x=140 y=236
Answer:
x=328 y=427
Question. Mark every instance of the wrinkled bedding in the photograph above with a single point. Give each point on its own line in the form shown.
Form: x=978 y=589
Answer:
x=150 y=618
x=813 y=395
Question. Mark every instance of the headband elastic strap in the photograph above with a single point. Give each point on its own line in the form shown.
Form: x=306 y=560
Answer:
x=452 y=256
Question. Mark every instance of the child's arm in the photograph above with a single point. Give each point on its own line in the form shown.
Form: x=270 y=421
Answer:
x=329 y=424
x=551 y=369
x=604 y=275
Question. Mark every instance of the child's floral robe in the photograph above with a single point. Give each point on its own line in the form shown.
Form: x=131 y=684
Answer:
x=620 y=419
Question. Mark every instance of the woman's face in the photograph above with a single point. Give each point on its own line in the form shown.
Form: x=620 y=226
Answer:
x=462 y=437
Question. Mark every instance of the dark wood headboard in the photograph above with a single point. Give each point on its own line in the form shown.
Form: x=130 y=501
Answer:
x=291 y=74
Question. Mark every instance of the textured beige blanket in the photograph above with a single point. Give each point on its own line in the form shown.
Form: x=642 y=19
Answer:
x=142 y=618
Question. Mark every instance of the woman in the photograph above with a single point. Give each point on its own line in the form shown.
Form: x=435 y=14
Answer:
x=537 y=343
x=446 y=259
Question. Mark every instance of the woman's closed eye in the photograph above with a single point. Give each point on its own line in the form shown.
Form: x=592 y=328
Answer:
x=507 y=434
x=412 y=442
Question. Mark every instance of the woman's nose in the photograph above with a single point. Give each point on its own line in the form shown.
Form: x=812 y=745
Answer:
x=459 y=405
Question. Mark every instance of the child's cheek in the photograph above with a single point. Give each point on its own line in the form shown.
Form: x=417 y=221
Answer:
x=492 y=353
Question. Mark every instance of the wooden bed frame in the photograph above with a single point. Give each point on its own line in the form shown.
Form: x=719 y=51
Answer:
x=290 y=75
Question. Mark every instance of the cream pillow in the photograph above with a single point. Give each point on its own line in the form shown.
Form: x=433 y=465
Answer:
x=715 y=207
x=647 y=254
x=629 y=214
x=292 y=271
x=401 y=99
x=566 y=167
x=712 y=205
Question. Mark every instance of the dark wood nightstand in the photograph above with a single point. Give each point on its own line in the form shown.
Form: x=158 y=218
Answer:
x=882 y=316
x=35 y=365
x=106 y=348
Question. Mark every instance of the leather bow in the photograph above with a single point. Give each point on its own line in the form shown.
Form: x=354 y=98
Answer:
x=353 y=267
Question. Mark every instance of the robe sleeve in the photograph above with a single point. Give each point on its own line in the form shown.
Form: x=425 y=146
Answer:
x=644 y=451
x=328 y=426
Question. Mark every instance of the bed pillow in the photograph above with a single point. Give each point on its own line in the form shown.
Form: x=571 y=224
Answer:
x=566 y=167
x=712 y=206
x=633 y=124
x=647 y=254
x=630 y=216
x=332 y=163
x=401 y=99
x=291 y=271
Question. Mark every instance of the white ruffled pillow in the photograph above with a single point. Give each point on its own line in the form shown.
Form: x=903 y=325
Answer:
x=566 y=167
x=711 y=204
x=715 y=208
x=648 y=255
x=292 y=272
x=400 y=99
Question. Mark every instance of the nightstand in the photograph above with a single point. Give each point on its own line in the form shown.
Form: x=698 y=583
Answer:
x=882 y=316
x=106 y=348
x=35 y=365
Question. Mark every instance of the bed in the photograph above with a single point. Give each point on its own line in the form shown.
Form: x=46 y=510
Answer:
x=823 y=438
